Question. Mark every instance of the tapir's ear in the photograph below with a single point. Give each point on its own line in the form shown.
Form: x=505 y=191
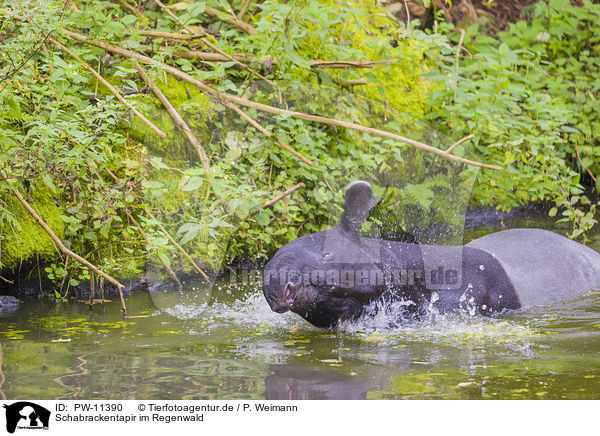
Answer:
x=358 y=201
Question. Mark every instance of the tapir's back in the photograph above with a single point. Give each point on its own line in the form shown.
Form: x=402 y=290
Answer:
x=543 y=267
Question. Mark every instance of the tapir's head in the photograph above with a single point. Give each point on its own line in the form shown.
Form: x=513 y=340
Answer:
x=328 y=276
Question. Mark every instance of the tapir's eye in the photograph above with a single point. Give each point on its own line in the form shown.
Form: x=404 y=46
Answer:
x=327 y=256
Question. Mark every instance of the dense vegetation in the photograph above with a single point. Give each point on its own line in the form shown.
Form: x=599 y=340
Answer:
x=125 y=198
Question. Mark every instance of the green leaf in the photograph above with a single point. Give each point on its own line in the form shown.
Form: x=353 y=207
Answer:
x=128 y=19
x=197 y=9
x=158 y=163
x=193 y=184
x=14 y=109
x=262 y=218
x=190 y=230
x=181 y=6
x=49 y=183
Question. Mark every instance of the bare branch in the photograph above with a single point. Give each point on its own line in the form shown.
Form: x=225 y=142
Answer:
x=457 y=143
x=231 y=19
x=110 y=88
x=279 y=197
x=349 y=64
x=175 y=115
x=271 y=109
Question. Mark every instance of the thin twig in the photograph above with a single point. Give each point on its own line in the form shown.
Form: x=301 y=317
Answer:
x=176 y=117
x=462 y=37
x=457 y=143
x=92 y=291
x=62 y=247
x=407 y=15
x=11 y=282
x=285 y=207
x=167 y=35
x=110 y=87
x=271 y=109
x=264 y=131
x=244 y=9
x=279 y=197
x=349 y=64
x=179 y=247
x=582 y=165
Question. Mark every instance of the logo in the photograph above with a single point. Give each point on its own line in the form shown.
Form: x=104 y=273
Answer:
x=26 y=415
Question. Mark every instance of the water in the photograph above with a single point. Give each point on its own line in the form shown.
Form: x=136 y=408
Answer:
x=181 y=347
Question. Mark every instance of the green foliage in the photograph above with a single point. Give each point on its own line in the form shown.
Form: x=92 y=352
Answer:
x=90 y=167
x=530 y=99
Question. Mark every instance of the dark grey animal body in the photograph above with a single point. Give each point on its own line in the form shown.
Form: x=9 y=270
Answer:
x=336 y=274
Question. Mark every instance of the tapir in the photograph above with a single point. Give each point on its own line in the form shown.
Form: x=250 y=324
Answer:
x=337 y=274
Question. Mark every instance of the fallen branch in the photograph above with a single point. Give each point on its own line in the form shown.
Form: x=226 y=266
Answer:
x=176 y=117
x=167 y=35
x=348 y=84
x=179 y=247
x=279 y=197
x=61 y=246
x=264 y=131
x=231 y=19
x=349 y=64
x=211 y=57
x=271 y=109
x=110 y=87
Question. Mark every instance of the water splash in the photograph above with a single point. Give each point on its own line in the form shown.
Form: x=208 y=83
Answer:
x=387 y=325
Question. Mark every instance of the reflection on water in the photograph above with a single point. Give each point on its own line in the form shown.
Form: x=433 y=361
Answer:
x=294 y=382
x=180 y=346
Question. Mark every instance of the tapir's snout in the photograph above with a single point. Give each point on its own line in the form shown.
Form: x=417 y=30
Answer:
x=276 y=303
x=278 y=292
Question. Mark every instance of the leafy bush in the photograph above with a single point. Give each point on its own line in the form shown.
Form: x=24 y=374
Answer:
x=530 y=97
